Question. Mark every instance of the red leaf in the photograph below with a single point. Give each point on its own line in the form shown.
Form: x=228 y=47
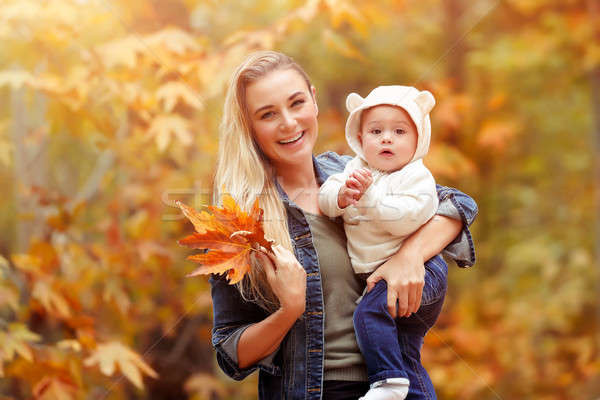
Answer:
x=229 y=234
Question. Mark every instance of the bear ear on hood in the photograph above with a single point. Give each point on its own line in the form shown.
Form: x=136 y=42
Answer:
x=425 y=101
x=353 y=101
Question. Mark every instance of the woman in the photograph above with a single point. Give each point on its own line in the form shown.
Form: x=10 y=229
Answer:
x=275 y=319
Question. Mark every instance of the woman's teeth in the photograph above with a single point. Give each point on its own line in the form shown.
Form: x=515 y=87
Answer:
x=292 y=139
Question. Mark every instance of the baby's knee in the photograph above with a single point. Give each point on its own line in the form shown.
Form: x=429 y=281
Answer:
x=374 y=301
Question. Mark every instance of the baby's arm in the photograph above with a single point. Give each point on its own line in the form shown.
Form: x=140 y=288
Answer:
x=410 y=203
x=342 y=190
x=355 y=186
x=328 y=195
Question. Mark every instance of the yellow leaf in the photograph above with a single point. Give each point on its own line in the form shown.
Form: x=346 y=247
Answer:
x=114 y=292
x=22 y=10
x=205 y=386
x=22 y=332
x=53 y=302
x=447 y=161
x=174 y=39
x=497 y=101
x=23 y=350
x=69 y=344
x=132 y=373
x=55 y=388
x=110 y=355
x=166 y=125
x=6 y=151
x=341 y=45
x=27 y=262
x=200 y=220
x=15 y=341
x=122 y=52
x=4 y=264
x=497 y=134
x=174 y=91
x=15 y=79
x=342 y=11
x=9 y=297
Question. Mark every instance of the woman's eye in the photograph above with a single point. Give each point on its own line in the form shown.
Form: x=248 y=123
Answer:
x=266 y=115
x=297 y=102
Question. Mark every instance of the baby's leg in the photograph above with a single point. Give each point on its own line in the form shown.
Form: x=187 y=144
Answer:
x=377 y=339
x=412 y=330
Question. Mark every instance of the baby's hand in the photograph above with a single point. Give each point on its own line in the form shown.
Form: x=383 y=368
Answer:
x=356 y=185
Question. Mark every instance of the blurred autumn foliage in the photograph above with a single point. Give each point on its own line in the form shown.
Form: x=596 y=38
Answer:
x=108 y=115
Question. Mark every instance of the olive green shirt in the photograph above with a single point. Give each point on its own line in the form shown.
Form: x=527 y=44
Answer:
x=341 y=289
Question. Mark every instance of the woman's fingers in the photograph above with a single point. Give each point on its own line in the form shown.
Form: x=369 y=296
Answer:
x=415 y=299
x=392 y=299
x=403 y=297
x=372 y=280
x=268 y=265
x=411 y=295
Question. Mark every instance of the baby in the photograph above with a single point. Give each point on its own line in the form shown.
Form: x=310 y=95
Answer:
x=384 y=194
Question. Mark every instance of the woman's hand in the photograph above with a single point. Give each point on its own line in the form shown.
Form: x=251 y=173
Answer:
x=404 y=273
x=288 y=282
x=287 y=279
x=356 y=185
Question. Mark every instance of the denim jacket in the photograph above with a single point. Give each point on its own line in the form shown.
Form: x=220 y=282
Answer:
x=295 y=370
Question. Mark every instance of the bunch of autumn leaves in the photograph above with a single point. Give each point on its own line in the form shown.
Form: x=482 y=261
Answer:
x=227 y=235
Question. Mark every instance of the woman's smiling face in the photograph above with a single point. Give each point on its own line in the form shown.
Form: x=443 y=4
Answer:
x=283 y=115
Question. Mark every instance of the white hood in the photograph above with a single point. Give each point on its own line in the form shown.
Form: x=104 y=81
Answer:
x=416 y=103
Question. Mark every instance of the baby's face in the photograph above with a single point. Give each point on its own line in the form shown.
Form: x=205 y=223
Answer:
x=388 y=137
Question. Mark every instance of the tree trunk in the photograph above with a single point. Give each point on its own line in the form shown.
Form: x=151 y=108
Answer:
x=20 y=177
x=454 y=40
x=594 y=12
x=30 y=163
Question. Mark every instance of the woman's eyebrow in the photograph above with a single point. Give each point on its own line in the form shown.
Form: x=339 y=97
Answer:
x=294 y=95
x=263 y=108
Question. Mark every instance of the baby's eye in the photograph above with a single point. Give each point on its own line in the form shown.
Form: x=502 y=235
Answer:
x=376 y=131
x=400 y=131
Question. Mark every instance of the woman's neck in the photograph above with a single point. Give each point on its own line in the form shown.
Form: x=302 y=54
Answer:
x=300 y=184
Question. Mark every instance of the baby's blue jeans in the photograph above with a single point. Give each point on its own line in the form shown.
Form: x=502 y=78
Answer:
x=390 y=346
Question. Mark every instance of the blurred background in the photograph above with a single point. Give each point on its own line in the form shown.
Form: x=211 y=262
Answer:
x=109 y=113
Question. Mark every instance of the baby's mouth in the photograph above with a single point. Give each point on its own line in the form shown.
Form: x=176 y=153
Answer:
x=386 y=153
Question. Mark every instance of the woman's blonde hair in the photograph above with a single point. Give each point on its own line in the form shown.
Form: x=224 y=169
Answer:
x=245 y=172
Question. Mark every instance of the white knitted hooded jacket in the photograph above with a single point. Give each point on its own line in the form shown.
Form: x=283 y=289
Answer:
x=396 y=204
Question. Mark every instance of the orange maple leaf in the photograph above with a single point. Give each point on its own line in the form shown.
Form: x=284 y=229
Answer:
x=228 y=234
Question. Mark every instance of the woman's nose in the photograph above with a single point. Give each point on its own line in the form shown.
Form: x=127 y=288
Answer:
x=287 y=121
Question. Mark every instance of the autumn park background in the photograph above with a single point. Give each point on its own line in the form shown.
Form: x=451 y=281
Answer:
x=109 y=112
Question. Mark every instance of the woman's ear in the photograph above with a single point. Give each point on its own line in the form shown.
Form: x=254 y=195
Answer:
x=425 y=101
x=353 y=101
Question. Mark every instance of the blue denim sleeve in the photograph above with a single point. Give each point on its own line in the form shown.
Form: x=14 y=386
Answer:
x=231 y=316
x=455 y=204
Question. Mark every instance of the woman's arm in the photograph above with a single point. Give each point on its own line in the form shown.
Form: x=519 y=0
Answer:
x=262 y=338
x=404 y=272
x=288 y=281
